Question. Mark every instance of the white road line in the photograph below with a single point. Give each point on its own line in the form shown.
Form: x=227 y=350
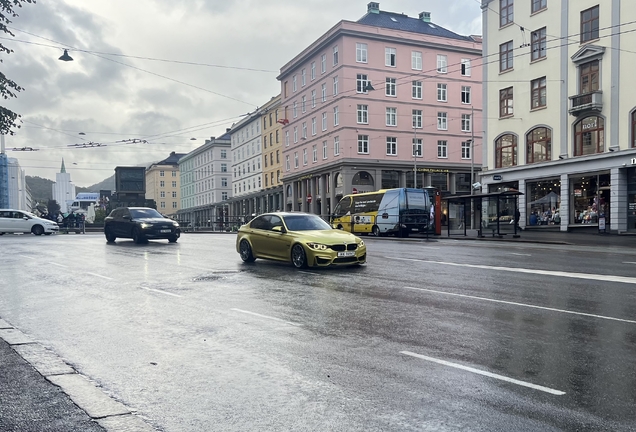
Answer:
x=59 y=265
x=629 y=262
x=488 y=374
x=266 y=317
x=306 y=272
x=25 y=256
x=588 y=276
x=161 y=292
x=523 y=304
x=99 y=276
x=520 y=254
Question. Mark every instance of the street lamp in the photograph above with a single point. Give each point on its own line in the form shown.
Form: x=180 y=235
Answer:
x=415 y=155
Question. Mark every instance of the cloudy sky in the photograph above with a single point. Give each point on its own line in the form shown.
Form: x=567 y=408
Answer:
x=163 y=71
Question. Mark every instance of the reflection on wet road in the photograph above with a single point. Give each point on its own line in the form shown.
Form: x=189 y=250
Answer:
x=440 y=336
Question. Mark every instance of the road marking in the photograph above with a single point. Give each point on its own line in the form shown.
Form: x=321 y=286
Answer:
x=306 y=272
x=524 y=305
x=520 y=254
x=266 y=317
x=25 y=256
x=629 y=262
x=161 y=292
x=588 y=276
x=59 y=265
x=100 y=276
x=485 y=373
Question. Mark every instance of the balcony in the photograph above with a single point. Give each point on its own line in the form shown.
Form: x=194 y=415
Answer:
x=586 y=102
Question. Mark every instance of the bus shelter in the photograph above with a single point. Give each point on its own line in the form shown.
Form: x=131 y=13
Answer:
x=484 y=214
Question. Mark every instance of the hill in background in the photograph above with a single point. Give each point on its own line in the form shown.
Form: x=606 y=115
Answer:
x=42 y=188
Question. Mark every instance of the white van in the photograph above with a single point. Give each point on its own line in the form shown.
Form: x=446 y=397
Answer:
x=18 y=221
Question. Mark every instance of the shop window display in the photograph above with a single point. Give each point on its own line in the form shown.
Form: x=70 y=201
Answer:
x=543 y=202
x=590 y=199
x=631 y=200
x=439 y=181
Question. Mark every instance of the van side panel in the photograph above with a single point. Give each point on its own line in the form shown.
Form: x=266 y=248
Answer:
x=388 y=219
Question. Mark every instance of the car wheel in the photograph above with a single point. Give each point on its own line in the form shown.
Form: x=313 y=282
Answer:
x=299 y=258
x=37 y=230
x=375 y=230
x=1 y=234
x=246 y=251
x=110 y=237
x=137 y=236
x=173 y=239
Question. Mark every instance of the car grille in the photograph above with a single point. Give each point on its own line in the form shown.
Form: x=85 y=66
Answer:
x=344 y=247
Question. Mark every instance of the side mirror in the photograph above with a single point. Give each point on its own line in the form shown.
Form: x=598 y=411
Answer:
x=279 y=229
x=25 y=217
x=126 y=216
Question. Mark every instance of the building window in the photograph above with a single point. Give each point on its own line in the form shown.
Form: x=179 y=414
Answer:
x=505 y=102
x=304 y=156
x=506 y=12
x=303 y=77
x=417 y=147
x=361 y=83
x=588 y=77
x=295 y=134
x=223 y=156
x=294 y=83
x=315 y=153
x=162 y=173
x=442 y=95
x=323 y=92
x=174 y=173
x=295 y=109
x=633 y=129
x=442 y=64
x=336 y=116
x=466 y=120
x=174 y=194
x=313 y=71
x=295 y=159
x=442 y=121
x=303 y=104
x=174 y=205
x=324 y=121
x=323 y=63
x=589 y=136
x=336 y=146
x=538 y=5
x=506 y=151
x=417 y=119
x=162 y=194
x=335 y=85
x=313 y=125
x=287 y=163
x=391 y=146
x=589 y=24
x=363 y=114
x=442 y=149
x=224 y=181
x=390 y=57
x=363 y=144
x=417 y=90
x=505 y=56
x=335 y=55
x=304 y=130
x=287 y=138
x=224 y=196
x=391 y=87
x=465 y=70
x=163 y=204
x=466 y=149
x=361 y=53
x=539 y=145
x=277 y=136
x=538 y=44
x=324 y=149
x=416 y=60
x=162 y=183
x=313 y=98
x=277 y=156
x=539 y=93
x=391 y=116
x=223 y=167
x=465 y=95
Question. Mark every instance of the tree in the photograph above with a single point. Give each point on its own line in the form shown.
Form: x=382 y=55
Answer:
x=53 y=207
x=8 y=88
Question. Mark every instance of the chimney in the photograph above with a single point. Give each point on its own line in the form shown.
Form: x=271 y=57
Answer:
x=227 y=130
x=373 y=7
x=425 y=16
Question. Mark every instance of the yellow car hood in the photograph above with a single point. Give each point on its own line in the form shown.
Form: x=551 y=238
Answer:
x=333 y=236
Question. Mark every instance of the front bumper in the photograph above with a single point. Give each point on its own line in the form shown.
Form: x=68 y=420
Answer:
x=161 y=232
x=330 y=258
x=51 y=228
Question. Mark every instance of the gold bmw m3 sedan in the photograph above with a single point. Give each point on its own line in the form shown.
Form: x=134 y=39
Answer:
x=304 y=239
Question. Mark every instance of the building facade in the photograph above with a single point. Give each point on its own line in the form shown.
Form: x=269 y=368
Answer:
x=272 y=138
x=163 y=184
x=63 y=189
x=387 y=101
x=560 y=117
x=205 y=182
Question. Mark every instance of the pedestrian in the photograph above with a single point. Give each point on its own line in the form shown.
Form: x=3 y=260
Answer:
x=59 y=218
x=517 y=217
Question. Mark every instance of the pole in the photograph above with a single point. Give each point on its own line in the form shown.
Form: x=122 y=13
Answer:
x=415 y=156
x=472 y=165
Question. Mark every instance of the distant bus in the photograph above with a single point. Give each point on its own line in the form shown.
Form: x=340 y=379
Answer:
x=388 y=211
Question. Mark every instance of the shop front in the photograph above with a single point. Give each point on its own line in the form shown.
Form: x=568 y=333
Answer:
x=631 y=200
x=543 y=203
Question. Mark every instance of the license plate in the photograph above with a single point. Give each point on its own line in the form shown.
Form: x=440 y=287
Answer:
x=346 y=254
x=165 y=231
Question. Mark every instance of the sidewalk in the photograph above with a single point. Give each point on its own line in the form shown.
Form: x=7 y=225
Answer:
x=39 y=392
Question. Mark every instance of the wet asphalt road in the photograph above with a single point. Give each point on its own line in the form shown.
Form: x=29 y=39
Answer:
x=195 y=340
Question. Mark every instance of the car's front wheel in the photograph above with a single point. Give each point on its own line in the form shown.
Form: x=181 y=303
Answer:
x=376 y=230
x=299 y=257
x=245 y=251
x=110 y=237
x=37 y=230
x=137 y=236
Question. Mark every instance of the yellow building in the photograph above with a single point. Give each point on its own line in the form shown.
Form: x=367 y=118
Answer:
x=272 y=139
x=162 y=184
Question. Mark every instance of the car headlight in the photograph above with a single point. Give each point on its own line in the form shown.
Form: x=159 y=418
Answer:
x=176 y=224
x=361 y=243
x=317 y=246
x=145 y=225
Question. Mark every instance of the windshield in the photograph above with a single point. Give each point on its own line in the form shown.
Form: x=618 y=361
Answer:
x=145 y=213
x=306 y=223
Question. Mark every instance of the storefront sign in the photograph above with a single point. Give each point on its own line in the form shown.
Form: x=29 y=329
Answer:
x=633 y=161
x=631 y=207
x=432 y=170
x=578 y=192
x=601 y=224
x=497 y=177
x=590 y=125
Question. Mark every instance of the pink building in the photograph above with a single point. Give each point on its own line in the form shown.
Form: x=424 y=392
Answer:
x=360 y=101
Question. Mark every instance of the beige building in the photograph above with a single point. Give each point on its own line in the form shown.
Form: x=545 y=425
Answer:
x=162 y=184
x=272 y=138
x=560 y=111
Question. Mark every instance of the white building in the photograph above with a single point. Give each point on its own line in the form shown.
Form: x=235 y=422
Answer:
x=247 y=171
x=205 y=179
x=63 y=188
x=19 y=196
x=560 y=111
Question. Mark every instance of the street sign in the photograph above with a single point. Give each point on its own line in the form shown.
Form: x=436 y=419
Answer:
x=354 y=190
x=497 y=177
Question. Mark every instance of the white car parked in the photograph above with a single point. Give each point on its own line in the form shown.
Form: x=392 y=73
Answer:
x=18 y=221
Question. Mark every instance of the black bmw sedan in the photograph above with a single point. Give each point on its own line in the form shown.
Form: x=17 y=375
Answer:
x=139 y=224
